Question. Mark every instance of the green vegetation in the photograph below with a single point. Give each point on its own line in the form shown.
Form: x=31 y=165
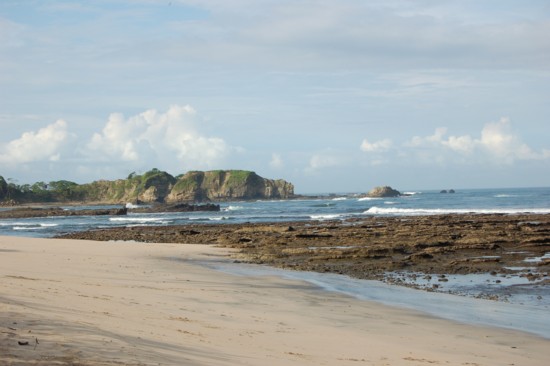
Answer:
x=239 y=177
x=189 y=182
x=154 y=185
x=128 y=189
x=3 y=188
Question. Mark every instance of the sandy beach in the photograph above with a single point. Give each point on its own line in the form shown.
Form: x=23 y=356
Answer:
x=76 y=302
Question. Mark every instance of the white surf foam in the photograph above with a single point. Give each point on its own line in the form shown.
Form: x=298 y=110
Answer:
x=136 y=219
x=441 y=211
x=326 y=217
x=18 y=228
x=368 y=198
x=232 y=208
x=340 y=199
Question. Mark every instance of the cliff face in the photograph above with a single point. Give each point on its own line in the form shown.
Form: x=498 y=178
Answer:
x=227 y=185
x=159 y=186
x=152 y=186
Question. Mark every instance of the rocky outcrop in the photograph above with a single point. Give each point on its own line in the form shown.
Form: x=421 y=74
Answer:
x=180 y=207
x=28 y=212
x=156 y=186
x=220 y=185
x=152 y=186
x=384 y=191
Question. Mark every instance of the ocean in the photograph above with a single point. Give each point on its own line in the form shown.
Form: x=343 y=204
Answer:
x=330 y=207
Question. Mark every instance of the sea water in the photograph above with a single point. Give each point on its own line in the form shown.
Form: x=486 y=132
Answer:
x=328 y=207
x=527 y=317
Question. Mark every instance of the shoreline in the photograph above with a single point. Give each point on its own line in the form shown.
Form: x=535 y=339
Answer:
x=510 y=253
x=520 y=316
x=101 y=303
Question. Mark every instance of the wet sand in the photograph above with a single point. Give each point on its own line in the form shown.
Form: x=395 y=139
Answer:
x=102 y=303
x=416 y=251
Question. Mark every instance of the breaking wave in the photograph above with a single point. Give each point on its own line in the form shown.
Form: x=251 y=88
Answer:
x=137 y=219
x=441 y=211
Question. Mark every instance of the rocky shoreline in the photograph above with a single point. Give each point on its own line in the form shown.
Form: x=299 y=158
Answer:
x=29 y=212
x=390 y=249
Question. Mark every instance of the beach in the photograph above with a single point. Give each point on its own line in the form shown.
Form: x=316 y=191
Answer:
x=491 y=256
x=122 y=303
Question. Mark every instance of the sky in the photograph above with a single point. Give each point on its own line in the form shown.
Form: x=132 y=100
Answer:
x=331 y=95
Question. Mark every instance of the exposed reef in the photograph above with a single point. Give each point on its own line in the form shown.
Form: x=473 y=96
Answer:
x=28 y=212
x=372 y=247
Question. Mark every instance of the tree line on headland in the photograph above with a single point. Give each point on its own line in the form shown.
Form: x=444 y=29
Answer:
x=152 y=186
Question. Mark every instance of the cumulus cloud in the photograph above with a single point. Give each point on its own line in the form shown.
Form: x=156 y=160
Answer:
x=497 y=141
x=170 y=140
x=156 y=136
x=377 y=146
x=43 y=145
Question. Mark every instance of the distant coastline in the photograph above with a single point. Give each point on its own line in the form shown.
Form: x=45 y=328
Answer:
x=154 y=186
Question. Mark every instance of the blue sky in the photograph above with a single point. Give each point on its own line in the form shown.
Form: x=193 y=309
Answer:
x=334 y=96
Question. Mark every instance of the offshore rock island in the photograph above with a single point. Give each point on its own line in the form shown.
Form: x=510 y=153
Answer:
x=154 y=186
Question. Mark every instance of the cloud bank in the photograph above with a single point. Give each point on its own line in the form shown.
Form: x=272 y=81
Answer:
x=497 y=143
x=46 y=144
x=170 y=140
x=154 y=136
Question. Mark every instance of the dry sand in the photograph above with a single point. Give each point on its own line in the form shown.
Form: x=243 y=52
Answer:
x=104 y=303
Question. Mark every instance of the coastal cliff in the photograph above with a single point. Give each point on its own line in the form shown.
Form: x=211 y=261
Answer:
x=227 y=185
x=154 y=186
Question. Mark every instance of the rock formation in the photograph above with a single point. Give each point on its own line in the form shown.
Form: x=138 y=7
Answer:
x=156 y=186
x=384 y=191
x=222 y=185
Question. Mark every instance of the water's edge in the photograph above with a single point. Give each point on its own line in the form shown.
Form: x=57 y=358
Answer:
x=522 y=317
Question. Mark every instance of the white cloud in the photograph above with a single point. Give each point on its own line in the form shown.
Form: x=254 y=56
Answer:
x=499 y=140
x=276 y=161
x=435 y=139
x=377 y=146
x=44 y=145
x=463 y=144
x=154 y=137
x=497 y=143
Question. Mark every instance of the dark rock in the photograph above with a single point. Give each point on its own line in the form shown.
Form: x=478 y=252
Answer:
x=179 y=207
x=27 y=212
